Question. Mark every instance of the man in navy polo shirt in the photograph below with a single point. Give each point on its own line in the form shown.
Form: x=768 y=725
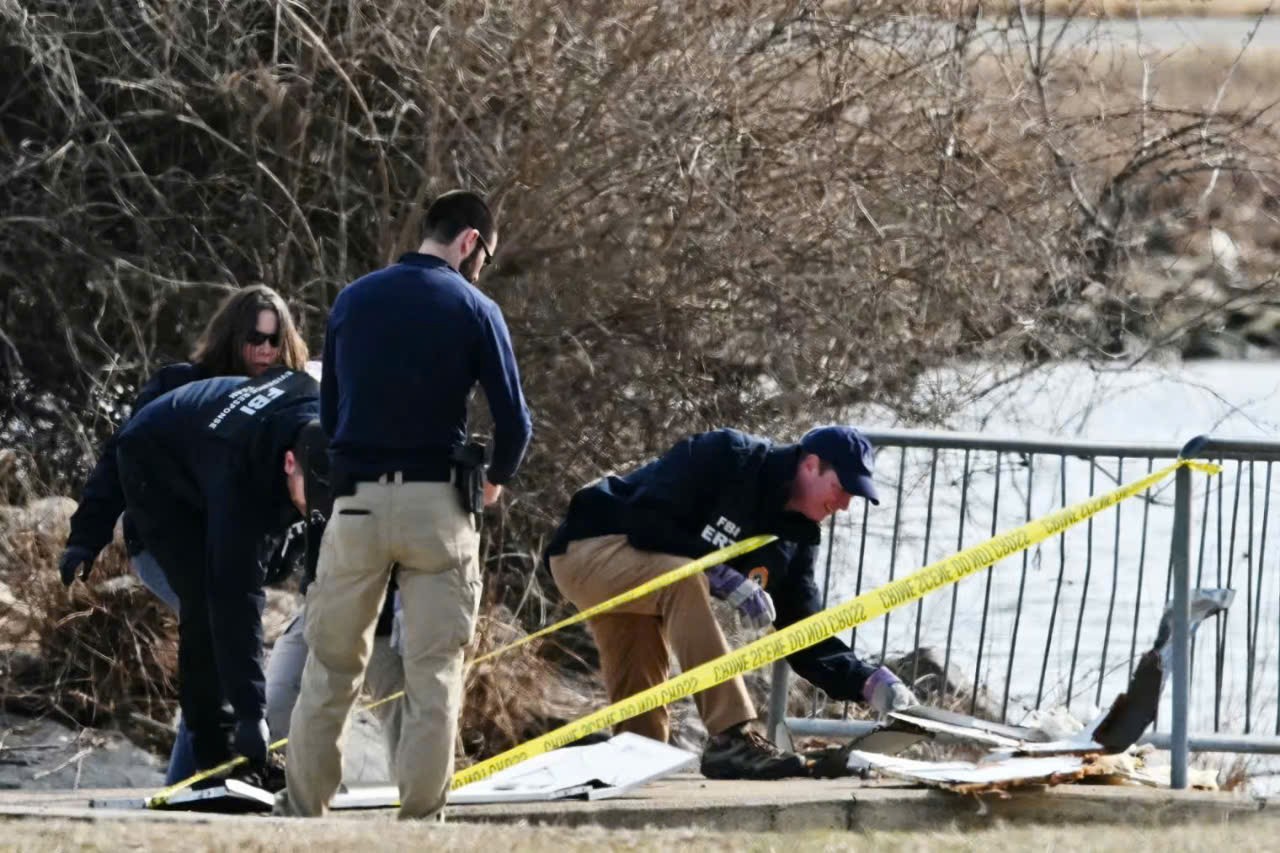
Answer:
x=707 y=492
x=403 y=348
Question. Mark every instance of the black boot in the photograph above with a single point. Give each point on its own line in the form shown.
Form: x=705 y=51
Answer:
x=743 y=753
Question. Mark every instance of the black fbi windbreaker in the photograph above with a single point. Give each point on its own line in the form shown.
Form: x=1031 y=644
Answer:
x=213 y=452
x=706 y=492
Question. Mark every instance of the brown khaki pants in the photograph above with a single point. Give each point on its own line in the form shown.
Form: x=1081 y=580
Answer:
x=422 y=527
x=633 y=639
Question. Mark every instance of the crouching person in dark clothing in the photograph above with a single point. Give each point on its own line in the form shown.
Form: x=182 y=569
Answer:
x=707 y=492
x=212 y=473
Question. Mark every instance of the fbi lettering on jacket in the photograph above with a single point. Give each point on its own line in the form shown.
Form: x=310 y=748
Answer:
x=722 y=534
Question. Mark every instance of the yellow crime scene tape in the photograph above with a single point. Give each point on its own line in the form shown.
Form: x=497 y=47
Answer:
x=695 y=567
x=820 y=626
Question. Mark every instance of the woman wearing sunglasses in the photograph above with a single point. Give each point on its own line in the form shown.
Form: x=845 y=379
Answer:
x=251 y=331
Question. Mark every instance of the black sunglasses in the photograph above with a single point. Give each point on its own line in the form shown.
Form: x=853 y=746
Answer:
x=488 y=255
x=256 y=338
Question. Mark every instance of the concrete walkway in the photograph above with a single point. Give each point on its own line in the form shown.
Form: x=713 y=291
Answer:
x=788 y=806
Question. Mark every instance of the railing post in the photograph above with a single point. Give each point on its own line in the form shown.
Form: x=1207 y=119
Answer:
x=1181 y=619
x=778 y=699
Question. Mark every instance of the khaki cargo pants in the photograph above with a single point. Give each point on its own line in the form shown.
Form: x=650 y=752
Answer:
x=423 y=527
x=633 y=640
x=383 y=676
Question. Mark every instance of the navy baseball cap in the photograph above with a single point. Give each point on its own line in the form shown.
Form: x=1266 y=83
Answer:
x=849 y=452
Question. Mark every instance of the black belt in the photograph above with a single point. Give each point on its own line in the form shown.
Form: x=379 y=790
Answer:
x=464 y=467
x=406 y=477
x=345 y=481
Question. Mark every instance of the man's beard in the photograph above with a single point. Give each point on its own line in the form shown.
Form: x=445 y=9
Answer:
x=470 y=266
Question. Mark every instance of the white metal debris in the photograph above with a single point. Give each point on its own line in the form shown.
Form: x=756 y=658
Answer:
x=973 y=777
x=593 y=772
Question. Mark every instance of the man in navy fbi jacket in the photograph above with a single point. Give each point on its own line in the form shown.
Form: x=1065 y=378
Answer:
x=212 y=475
x=705 y=493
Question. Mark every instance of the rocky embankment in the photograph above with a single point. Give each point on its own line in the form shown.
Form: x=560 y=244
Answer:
x=1198 y=294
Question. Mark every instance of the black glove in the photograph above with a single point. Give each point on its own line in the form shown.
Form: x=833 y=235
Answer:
x=73 y=558
x=251 y=741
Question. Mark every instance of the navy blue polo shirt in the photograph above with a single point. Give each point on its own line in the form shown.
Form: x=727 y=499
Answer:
x=403 y=348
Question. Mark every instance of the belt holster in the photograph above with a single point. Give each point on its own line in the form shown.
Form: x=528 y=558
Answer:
x=469 y=461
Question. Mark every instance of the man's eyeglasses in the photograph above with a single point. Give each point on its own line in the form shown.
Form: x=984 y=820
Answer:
x=488 y=254
x=257 y=339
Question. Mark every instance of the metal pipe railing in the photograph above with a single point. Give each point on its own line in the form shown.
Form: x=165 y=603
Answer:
x=1249 y=450
x=1200 y=447
x=981 y=441
x=1181 y=650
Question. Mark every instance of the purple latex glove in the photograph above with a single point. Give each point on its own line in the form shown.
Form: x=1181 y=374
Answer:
x=885 y=692
x=754 y=605
x=397 y=625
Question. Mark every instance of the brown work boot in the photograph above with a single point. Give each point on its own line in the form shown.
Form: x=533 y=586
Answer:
x=743 y=753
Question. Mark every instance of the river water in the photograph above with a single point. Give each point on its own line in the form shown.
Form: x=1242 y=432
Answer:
x=1152 y=35
x=1166 y=34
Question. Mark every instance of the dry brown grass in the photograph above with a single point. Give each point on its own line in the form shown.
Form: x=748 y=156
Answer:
x=1110 y=80
x=93 y=654
x=250 y=835
x=518 y=695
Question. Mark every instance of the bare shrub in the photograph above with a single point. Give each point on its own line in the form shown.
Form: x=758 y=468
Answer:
x=735 y=213
x=518 y=695
x=94 y=654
